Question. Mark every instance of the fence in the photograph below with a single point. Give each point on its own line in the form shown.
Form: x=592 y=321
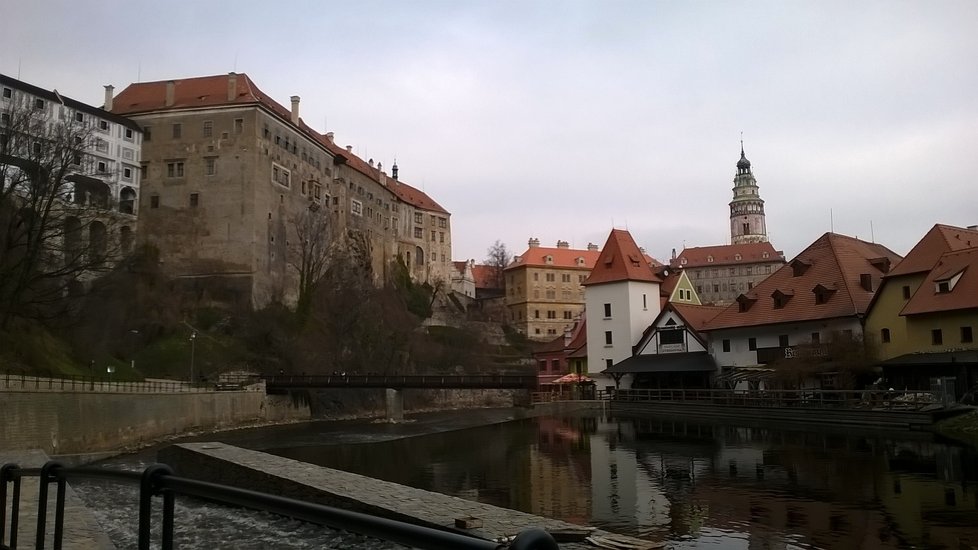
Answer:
x=21 y=382
x=158 y=480
x=808 y=398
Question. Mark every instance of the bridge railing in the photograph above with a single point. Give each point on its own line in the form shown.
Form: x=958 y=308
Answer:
x=159 y=481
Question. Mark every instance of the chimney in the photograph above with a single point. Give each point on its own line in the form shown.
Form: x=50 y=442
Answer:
x=592 y=246
x=673 y=253
x=379 y=167
x=329 y=137
x=533 y=243
x=295 y=109
x=232 y=86
x=563 y=244
x=394 y=171
x=642 y=250
x=349 y=148
x=370 y=162
x=108 y=97
x=866 y=281
x=171 y=88
x=567 y=337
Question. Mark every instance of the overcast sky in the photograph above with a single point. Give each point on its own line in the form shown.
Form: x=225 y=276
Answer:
x=564 y=119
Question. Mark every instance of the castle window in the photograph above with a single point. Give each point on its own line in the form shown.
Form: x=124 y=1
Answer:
x=936 y=337
x=177 y=130
x=607 y=338
x=208 y=128
x=885 y=335
x=966 y=336
x=194 y=200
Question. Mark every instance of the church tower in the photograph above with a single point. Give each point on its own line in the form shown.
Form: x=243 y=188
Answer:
x=747 y=223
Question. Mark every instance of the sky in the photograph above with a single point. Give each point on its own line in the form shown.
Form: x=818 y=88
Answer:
x=562 y=120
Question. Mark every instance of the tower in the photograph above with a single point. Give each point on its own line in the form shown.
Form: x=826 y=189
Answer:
x=747 y=223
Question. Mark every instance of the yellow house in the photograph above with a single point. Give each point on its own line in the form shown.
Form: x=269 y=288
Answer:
x=922 y=320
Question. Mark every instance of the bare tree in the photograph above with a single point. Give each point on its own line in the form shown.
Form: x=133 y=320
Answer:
x=56 y=221
x=497 y=260
x=310 y=254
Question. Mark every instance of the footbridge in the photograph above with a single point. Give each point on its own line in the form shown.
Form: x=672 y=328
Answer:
x=279 y=382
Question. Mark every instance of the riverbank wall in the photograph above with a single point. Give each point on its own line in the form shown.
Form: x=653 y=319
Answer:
x=67 y=423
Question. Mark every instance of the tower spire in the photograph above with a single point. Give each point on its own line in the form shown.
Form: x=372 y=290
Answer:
x=747 y=222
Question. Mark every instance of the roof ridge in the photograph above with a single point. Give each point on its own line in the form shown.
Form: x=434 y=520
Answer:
x=841 y=271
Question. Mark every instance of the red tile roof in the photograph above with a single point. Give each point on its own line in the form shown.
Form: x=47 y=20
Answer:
x=939 y=240
x=696 y=317
x=212 y=91
x=484 y=276
x=536 y=256
x=963 y=295
x=833 y=261
x=621 y=260
x=727 y=254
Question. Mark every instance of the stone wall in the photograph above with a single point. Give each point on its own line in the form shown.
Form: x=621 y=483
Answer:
x=71 y=423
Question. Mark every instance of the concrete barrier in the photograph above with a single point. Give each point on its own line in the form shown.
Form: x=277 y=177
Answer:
x=65 y=423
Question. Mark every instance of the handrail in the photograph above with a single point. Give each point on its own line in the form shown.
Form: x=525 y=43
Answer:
x=82 y=383
x=801 y=398
x=159 y=480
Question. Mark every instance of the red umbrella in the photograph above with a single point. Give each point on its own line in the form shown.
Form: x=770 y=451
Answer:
x=572 y=378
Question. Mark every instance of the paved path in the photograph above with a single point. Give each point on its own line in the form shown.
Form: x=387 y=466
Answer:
x=81 y=530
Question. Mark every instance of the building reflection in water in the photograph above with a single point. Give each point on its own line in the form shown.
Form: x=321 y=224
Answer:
x=696 y=484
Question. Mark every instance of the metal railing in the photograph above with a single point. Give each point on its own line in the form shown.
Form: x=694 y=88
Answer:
x=77 y=383
x=158 y=480
x=810 y=398
x=424 y=381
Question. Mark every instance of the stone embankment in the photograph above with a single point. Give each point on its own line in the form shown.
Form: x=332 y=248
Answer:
x=69 y=421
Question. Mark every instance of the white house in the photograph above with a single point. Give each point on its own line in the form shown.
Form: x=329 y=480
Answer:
x=621 y=297
x=818 y=298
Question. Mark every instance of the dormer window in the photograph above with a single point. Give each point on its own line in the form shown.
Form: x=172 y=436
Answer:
x=580 y=260
x=737 y=257
x=682 y=261
x=823 y=292
x=799 y=267
x=550 y=259
x=764 y=255
x=744 y=303
x=781 y=298
x=944 y=285
x=709 y=259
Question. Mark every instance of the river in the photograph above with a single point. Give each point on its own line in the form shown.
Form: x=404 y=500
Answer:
x=691 y=483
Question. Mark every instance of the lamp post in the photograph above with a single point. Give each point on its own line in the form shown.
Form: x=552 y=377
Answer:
x=193 y=346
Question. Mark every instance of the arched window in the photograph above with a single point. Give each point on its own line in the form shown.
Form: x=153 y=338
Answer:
x=418 y=256
x=127 y=200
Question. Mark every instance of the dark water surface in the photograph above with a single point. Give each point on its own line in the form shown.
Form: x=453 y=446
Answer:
x=693 y=484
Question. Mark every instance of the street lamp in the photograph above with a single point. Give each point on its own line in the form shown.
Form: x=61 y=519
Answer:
x=193 y=346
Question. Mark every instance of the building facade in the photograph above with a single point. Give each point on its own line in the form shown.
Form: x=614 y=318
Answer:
x=817 y=300
x=622 y=299
x=721 y=273
x=544 y=288
x=922 y=321
x=92 y=156
x=229 y=175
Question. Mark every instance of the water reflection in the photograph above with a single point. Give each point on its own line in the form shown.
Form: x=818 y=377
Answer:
x=696 y=484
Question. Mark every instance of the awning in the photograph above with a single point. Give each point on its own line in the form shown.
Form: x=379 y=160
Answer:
x=944 y=358
x=572 y=378
x=697 y=361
